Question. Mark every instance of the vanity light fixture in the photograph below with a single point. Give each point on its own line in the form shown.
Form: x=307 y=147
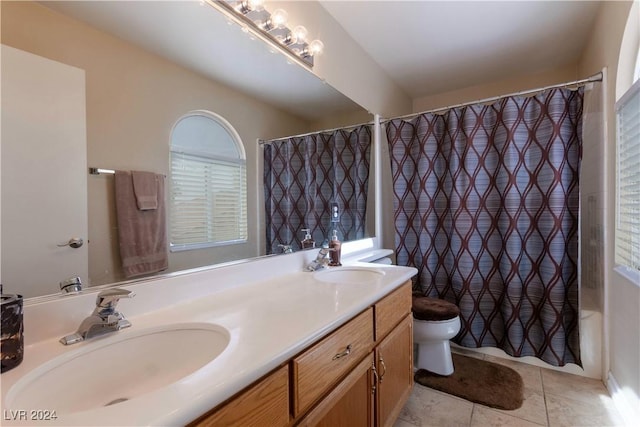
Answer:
x=255 y=19
x=247 y=6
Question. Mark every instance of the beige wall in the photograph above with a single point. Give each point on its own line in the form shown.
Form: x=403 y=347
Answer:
x=623 y=311
x=133 y=100
x=498 y=88
x=343 y=120
x=345 y=65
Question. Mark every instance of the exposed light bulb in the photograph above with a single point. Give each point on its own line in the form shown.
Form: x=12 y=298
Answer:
x=279 y=18
x=315 y=48
x=255 y=4
x=246 y=6
x=258 y=21
x=299 y=34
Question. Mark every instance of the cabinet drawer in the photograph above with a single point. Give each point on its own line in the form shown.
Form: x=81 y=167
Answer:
x=391 y=309
x=263 y=404
x=321 y=366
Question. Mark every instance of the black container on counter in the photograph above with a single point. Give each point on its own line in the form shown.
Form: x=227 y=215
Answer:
x=11 y=332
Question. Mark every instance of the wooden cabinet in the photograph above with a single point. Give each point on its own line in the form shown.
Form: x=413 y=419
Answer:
x=360 y=375
x=394 y=366
x=350 y=404
x=383 y=380
x=266 y=403
x=393 y=354
x=317 y=369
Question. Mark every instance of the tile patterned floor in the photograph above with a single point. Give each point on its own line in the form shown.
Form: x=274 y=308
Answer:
x=552 y=399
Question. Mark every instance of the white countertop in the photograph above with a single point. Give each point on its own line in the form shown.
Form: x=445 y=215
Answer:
x=269 y=322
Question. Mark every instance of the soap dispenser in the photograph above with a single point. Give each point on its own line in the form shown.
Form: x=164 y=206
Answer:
x=308 y=242
x=334 y=246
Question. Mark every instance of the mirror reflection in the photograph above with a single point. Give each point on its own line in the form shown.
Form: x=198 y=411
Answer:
x=102 y=85
x=317 y=185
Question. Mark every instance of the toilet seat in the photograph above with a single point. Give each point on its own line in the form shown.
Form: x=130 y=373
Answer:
x=433 y=309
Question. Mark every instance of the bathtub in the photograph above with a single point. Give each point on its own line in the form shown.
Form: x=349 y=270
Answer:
x=591 y=347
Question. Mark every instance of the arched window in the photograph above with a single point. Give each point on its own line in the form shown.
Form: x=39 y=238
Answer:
x=208 y=183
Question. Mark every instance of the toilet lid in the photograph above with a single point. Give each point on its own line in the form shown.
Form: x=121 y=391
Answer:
x=425 y=308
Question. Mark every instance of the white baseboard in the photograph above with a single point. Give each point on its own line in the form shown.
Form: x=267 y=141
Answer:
x=624 y=403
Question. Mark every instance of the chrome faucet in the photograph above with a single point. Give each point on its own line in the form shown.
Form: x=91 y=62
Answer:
x=71 y=285
x=321 y=261
x=104 y=318
x=286 y=249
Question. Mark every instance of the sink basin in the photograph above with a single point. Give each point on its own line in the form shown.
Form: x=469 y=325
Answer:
x=106 y=372
x=349 y=275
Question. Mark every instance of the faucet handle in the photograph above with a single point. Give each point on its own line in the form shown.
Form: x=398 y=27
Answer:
x=286 y=249
x=71 y=285
x=110 y=297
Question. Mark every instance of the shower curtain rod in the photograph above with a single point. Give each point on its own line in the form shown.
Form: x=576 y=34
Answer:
x=595 y=78
x=262 y=142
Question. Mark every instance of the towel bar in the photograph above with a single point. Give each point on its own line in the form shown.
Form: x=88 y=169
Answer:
x=98 y=171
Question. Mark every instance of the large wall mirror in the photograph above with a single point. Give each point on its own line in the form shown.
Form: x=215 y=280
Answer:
x=134 y=68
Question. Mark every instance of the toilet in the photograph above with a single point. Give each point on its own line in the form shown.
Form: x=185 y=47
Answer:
x=435 y=322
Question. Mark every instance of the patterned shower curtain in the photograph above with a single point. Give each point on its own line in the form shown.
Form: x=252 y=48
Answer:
x=304 y=176
x=486 y=207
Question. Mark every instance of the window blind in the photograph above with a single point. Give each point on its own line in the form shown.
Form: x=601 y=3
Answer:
x=209 y=201
x=628 y=178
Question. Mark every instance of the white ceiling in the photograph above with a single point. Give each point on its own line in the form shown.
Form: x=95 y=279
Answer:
x=430 y=47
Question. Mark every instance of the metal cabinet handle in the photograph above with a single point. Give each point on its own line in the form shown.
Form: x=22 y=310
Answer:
x=346 y=352
x=383 y=367
x=374 y=386
x=74 y=242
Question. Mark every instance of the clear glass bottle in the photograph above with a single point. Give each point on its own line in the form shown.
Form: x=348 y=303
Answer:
x=335 y=246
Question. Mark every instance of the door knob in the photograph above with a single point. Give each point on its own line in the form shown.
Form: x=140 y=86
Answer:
x=74 y=242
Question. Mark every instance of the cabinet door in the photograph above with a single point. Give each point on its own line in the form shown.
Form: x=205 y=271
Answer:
x=349 y=404
x=394 y=362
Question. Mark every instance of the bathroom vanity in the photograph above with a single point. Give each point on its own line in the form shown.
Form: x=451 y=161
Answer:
x=247 y=344
x=359 y=375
